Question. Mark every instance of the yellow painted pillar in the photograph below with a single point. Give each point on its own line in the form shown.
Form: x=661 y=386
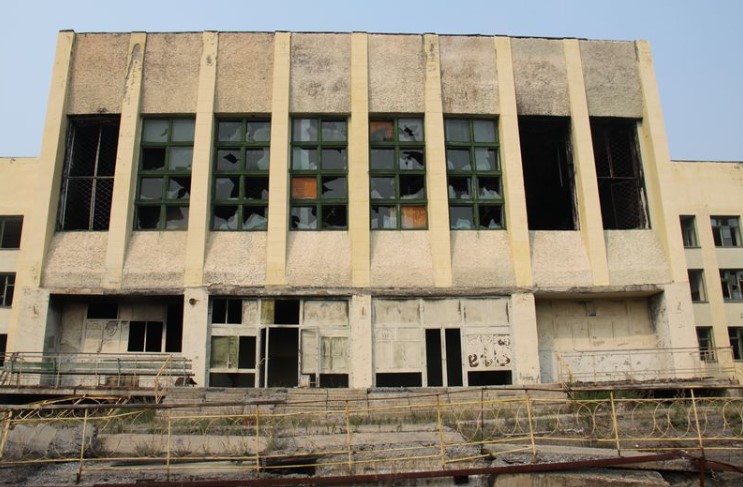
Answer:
x=198 y=213
x=438 y=200
x=40 y=222
x=358 y=169
x=362 y=339
x=127 y=156
x=513 y=173
x=278 y=196
x=523 y=313
x=586 y=183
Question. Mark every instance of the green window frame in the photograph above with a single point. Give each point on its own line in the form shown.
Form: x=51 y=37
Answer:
x=164 y=179
x=11 y=228
x=397 y=174
x=473 y=174
x=241 y=171
x=319 y=174
x=7 y=285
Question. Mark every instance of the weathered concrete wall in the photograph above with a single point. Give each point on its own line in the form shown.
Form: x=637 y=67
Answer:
x=235 y=258
x=171 y=73
x=482 y=259
x=98 y=73
x=559 y=259
x=612 y=79
x=401 y=259
x=468 y=75
x=540 y=76
x=244 y=73
x=318 y=259
x=155 y=260
x=76 y=260
x=396 y=73
x=320 y=73
x=635 y=257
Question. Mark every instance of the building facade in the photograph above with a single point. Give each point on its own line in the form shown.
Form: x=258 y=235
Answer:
x=369 y=210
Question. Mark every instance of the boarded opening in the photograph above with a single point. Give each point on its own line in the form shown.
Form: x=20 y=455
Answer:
x=548 y=173
x=231 y=380
x=489 y=378
x=453 y=357
x=399 y=379
x=433 y=358
x=283 y=357
x=286 y=312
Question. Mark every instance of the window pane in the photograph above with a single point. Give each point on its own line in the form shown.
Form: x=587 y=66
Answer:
x=458 y=160
x=382 y=188
x=457 y=130
x=176 y=217
x=334 y=217
x=180 y=158
x=411 y=160
x=461 y=217
x=489 y=188
x=333 y=187
x=179 y=188
x=305 y=130
x=410 y=130
x=383 y=217
x=259 y=131
x=382 y=159
x=257 y=159
x=148 y=217
x=256 y=188
x=153 y=158
x=303 y=218
x=256 y=218
x=229 y=132
x=460 y=188
x=304 y=158
x=225 y=218
x=334 y=131
x=183 y=130
x=381 y=130
x=334 y=159
x=484 y=130
x=413 y=217
x=304 y=188
x=155 y=130
x=490 y=217
x=412 y=187
x=151 y=189
x=228 y=160
x=486 y=159
x=227 y=188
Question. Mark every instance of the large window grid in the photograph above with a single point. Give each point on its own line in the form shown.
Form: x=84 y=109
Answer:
x=7 y=284
x=397 y=174
x=726 y=231
x=164 y=174
x=88 y=177
x=241 y=166
x=473 y=175
x=10 y=232
x=319 y=174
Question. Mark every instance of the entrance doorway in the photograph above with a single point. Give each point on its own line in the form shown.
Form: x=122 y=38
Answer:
x=280 y=356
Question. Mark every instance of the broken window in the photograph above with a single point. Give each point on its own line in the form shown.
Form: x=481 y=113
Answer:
x=689 y=231
x=696 y=283
x=397 y=172
x=10 y=232
x=726 y=231
x=735 y=334
x=227 y=310
x=88 y=176
x=145 y=336
x=319 y=174
x=241 y=166
x=473 y=174
x=732 y=284
x=548 y=173
x=706 y=344
x=7 y=284
x=164 y=174
x=619 y=173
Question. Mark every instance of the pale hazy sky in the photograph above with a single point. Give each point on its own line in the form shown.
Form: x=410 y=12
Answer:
x=697 y=47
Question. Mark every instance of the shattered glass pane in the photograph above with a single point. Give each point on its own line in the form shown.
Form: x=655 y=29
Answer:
x=257 y=159
x=486 y=159
x=176 y=217
x=154 y=130
x=256 y=218
x=153 y=158
x=304 y=188
x=151 y=188
x=460 y=188
x=383 y=217
x=179 y=188
x=333 y=187
x=334 y=159
x=256 y=188
x=489 y=188
x=303 y=218
x=381 y=130
x=334 y=217
x=228 y=160
x=412 y=187
x=225 y=218
x=229 y=132
x=334 y=131
x=457 y=130
x=183 y=129
x=148 y=217
x=227 y=188
x=413 y=217
x=259 y=132
x=490 y=217
x=180 y=158
x=411 y=159
x=461 y=218
x=304 y=158
x=382 y=159
x=382 y=188
x=305 y=130
x=484 y=130
x=410 y=130
x=458 y=160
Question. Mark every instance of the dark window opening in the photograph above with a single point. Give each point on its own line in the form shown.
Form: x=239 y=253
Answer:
x=145 y=336
x=283 y=357
x=7 y=286
x=489 y=378
x=102 y=311
x=399 y=379
x=231 y=380
x=735 y=334
x=706 y=344
x=226 y=310
x=726 y=231
x=433 y=358
x=286 y=312
x=3 y=348
x=87 y=181
x=732 y=284
x=334 y=381
x=453 y=357
x=689 y=231
x=619 y=174
x=246 y=353
x=174 y=327
x=10 y=232
x=696 y=284
x=548 y=173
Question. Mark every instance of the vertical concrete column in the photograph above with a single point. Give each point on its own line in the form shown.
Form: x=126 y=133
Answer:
x=586 y=184
x=278 y=191
x=41 y=219
x=198 y=213
x=513 y=172
x=125 y=182
x=358 y=168
x=362 y=339
x=525 y=339
x=196 y=334
x=438 y=199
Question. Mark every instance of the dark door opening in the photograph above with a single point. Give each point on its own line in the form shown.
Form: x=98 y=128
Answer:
x=283 y=357
x=453 y=357
x=434 y=358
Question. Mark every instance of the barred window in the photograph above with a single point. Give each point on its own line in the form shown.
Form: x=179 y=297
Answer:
x=88 y=177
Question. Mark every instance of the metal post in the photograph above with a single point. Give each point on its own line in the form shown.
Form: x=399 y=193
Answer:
x=615 y=423
x=531 y=428
x=696 y=420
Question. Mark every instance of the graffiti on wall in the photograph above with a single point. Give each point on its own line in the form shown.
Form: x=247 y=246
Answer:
x=488 y=351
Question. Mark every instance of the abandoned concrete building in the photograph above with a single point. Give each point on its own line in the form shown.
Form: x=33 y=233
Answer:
x=369 y=210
